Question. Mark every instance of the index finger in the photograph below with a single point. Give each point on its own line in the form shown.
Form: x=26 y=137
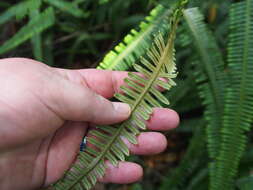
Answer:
x=103 y=82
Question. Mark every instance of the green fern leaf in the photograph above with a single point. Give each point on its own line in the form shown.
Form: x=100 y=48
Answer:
x=68 y=7
x=210 y=75
x=38 y=24
x=142 y=95
x=141 y=99
x=211 y=80
x=135 y=43
x=238 y=112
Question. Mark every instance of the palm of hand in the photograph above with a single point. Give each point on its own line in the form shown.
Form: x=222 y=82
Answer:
x=43 y=126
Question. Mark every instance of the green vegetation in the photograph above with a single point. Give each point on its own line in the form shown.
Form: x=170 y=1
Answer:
x=213 y=95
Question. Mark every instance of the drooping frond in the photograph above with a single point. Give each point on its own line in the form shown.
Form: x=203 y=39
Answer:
x=38 y=24
x=238 y=112
x=136 y=42
x=68 y=7
x=210 y=75
x=211 y=80
x=142 y=95
x=193 y=159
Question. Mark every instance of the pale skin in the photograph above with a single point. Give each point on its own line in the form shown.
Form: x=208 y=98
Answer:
x=44 y=114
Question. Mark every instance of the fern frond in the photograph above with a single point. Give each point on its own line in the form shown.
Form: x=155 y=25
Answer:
x=238 y=112
x=38 y=24
x=210 y=78
x=141 y=99
x=68 y=7
x=136 y=42
x=210 y=75
x=142 y=95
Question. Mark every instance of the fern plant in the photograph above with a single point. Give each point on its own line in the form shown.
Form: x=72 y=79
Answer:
x=211 y=79
x=226 y=93
x=142 y=95
x=225 y=89
x=209 y=74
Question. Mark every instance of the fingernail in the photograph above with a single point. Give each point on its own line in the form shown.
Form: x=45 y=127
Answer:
x=122 y=108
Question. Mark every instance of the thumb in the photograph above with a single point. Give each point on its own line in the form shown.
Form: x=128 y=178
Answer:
x=75 y=102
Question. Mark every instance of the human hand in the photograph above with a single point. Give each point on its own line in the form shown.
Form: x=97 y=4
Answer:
x=44 y=114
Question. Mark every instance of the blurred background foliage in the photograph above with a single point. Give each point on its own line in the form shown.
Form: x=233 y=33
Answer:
x=79 y=33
